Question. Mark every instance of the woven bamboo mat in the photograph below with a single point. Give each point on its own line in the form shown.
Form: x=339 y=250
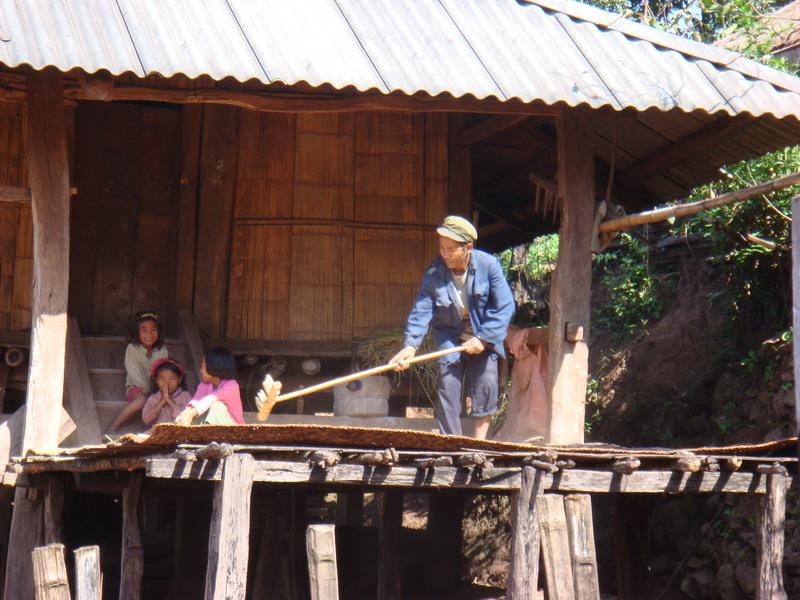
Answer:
x=401 y=439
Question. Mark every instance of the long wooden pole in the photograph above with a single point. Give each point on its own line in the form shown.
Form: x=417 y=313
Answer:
x=325 y=385
x=692 y=208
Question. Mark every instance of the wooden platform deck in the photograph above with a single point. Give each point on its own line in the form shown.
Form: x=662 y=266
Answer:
x=278 y=466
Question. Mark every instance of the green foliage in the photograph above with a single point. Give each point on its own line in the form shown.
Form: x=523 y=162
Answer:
x=633 y=292
x=707 y=21
x=540 y=259
x=752 y=238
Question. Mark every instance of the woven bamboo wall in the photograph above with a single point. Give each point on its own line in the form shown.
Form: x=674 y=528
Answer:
x=16 y=229
x=333 y=222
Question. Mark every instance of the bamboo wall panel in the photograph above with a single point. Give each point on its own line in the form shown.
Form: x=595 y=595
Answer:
x=389 y=178
x=9 y=220
x=23 y=273
x=258 y=299
x=302 y=267
x=324 y=167
x=387 y=272
x=16 y=236
x=265 y=173
x=12 y=147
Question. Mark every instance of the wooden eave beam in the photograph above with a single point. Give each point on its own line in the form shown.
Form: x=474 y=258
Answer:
x=314 y=103
x=488 y=127
x=681 y=150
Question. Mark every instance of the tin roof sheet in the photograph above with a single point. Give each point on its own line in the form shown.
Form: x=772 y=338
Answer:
x=543 y=50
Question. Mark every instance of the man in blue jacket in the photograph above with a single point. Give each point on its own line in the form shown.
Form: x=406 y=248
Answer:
x=465 y=300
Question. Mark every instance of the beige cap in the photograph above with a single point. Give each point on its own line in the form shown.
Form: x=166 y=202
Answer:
x=458 y=229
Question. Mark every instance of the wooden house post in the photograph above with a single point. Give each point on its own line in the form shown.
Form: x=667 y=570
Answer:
x=229 y=538
x=568 y=335
x=523 y=572
x=48 y=175
x=571 y=283
x=770 y=539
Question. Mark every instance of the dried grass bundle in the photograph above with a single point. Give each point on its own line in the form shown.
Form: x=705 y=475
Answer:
x=381 y=347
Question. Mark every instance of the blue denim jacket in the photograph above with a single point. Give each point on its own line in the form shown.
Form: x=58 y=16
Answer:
x=491 y=305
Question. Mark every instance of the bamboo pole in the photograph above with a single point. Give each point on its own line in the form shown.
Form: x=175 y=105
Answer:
x=692 y=208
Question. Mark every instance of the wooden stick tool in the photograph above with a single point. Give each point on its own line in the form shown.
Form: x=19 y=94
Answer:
x=268 y=397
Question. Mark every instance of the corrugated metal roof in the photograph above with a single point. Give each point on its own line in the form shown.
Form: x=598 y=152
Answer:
x=545 y=50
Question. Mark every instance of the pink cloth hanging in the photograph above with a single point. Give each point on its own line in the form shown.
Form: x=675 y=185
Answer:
x=527 y=407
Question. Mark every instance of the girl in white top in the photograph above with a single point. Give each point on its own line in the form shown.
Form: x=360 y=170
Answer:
x=146 y=348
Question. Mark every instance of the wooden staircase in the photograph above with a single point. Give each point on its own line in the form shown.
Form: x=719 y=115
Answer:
x=105 y=364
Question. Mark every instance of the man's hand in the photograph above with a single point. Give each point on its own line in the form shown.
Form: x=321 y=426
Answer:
x=186 y=417
x=474 y=346
x=401 y=358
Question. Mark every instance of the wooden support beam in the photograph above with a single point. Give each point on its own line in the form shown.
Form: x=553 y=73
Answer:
x=279 y=558
x=317 y=103
x=53 y=508
x=444 y=531
x=229 y=539
x=459 y=169
x=580 y=525
x=630 y=538
x=677 y=152
x=770 y=539
x=215 y=215
x=391 y=514
x=79 y=394
x=48 y=173
x=321 y=553
x=506 y=217
x=50 y=573
x=27 y=532
x=132 y=555
x=555 y=548
x=15 y=195
x=571 y=282
x=487 y=127
x=537 y=336
x=88 y=576
x=796 y=302
x=496 y=478
x=523 y=573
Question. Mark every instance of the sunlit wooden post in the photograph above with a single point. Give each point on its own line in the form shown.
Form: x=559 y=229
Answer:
x=48 y=173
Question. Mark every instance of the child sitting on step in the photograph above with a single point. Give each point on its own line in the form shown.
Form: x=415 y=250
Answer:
x=169 y=398
x=217 y=400
x=146 y=346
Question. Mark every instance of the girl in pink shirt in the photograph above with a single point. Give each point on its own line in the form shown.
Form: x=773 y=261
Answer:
x=217 y=400
x=171 y=398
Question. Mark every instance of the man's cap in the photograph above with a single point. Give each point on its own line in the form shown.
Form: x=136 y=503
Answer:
x=458 y=229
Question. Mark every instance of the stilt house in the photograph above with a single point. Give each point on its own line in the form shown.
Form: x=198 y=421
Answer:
x=269 y=175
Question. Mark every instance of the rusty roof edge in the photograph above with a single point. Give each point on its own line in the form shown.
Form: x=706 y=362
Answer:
x=720 y=56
